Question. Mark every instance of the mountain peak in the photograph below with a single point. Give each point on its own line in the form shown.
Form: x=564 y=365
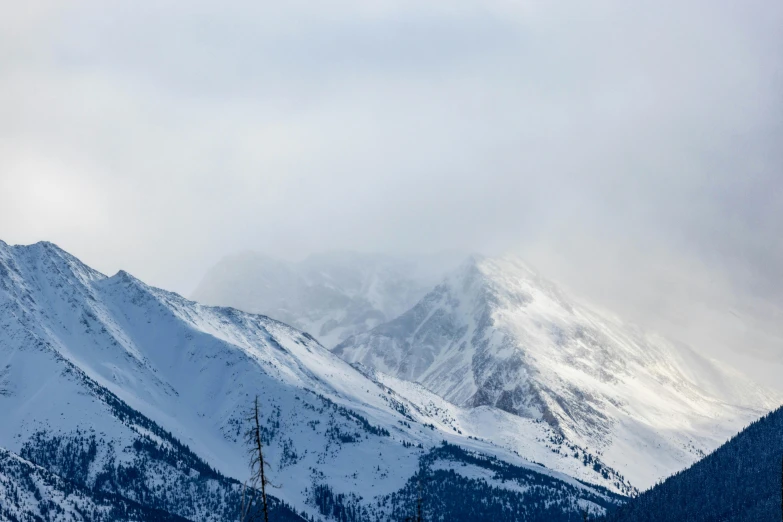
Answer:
x=496 y=333
x=126 y=277
x=506 y=282
x=48 y=262
x=42 y=248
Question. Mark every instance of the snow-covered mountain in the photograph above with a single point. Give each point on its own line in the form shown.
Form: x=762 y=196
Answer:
x=128 y=390
x=329 y=295
x=496 y=334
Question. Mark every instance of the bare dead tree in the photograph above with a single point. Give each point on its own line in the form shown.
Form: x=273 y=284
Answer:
x=419 y=504
x=254 y=490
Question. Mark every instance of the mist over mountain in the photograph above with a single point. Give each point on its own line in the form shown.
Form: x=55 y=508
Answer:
x=331 y=295
x=494 y=333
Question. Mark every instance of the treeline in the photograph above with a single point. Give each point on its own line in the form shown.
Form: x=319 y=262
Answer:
x=739 y=482
x=448 y=496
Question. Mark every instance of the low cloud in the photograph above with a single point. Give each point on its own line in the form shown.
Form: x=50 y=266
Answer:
x=616 y=144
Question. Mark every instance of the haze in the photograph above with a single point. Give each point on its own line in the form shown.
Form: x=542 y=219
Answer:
x=632 y=151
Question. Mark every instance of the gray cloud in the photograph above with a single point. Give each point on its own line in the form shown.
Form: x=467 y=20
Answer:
x=627 y=147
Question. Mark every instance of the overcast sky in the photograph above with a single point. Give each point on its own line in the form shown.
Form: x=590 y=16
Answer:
x=631 y=149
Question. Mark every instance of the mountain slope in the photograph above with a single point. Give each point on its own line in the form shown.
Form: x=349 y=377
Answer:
x=330 y=295
x=739 y=482
x=31 y=493
x=58 y=416
x=136 y=391
x=495 y=333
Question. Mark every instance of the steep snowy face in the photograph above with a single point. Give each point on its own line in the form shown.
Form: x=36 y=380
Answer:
x=331 y=296
x=497 y=334
x=141 y=387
